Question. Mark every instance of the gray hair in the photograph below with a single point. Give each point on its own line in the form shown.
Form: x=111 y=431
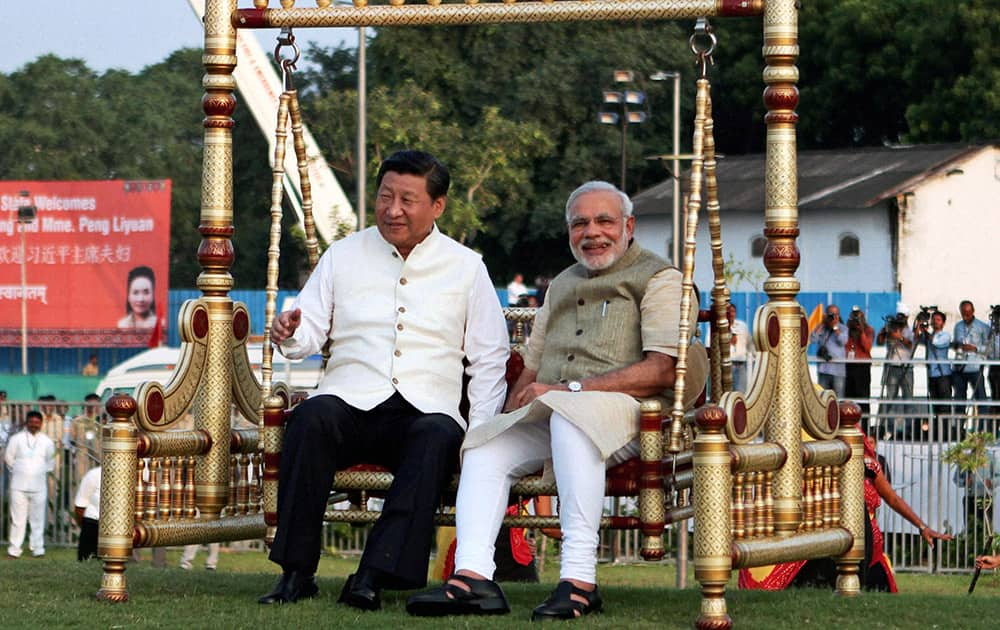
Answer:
x=597 y=185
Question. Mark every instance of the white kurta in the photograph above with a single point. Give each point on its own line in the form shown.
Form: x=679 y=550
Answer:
x=88 y=495
x=30 y=459
x=405 y=325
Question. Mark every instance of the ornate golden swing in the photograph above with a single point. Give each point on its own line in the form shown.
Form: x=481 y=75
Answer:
x=753 y=504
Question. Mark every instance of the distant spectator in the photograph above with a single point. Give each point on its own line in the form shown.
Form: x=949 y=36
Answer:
x=87 y=506
x=91 y=368
x=994 y=353
x=970 y=339
x=85 y=435
x=831 y=338
x=897 y=376
x=740 y=348
x=541 y=288
x=937 y=340
x=5 y=425
x=516 y=290
x=190 y=551
x=30 y=456
x=52 y=419
x=860 y=337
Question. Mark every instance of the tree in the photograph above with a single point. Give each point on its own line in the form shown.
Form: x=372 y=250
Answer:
x=549 y=77
x=488 y=161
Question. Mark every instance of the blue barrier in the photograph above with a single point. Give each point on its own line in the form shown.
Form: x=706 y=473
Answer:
x=71 y=360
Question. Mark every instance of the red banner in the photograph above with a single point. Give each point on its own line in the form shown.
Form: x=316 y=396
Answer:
x=96 y=266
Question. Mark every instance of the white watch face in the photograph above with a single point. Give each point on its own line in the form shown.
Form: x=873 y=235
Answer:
x=574 y=386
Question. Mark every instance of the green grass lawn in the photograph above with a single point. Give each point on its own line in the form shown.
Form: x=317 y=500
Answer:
x=58 y=592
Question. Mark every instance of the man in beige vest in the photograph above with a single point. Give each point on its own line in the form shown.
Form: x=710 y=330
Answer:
x=606 y=336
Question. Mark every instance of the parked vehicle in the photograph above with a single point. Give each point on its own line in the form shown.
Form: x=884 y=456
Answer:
x=158 y=365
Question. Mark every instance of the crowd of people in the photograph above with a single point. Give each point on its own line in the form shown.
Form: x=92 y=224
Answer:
x=955 y=361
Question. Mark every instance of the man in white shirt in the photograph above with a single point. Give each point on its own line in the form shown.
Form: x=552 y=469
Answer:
x=408 y=312
x=30 y=456
x=87 y=506
x=516 y=290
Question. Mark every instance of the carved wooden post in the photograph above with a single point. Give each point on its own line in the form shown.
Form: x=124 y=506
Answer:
x=713 y=538
x=215 y=254
x=119 y=464
x=781 y=256
x=852 y=500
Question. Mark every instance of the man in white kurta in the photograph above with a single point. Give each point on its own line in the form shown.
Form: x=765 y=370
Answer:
x=30 y=456
x=606 y=335
x=87 y=507
x=407 y=312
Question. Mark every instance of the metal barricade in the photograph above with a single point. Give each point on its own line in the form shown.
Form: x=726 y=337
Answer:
x=912 y=435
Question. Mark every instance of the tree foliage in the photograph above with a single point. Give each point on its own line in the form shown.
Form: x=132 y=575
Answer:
x=512 y=110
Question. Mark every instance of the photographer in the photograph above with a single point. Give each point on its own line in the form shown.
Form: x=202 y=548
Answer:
x=860 y=337
x=994 y=353
x=936 y=340
x=831 y=337
x=970 y=339
x=897 y=376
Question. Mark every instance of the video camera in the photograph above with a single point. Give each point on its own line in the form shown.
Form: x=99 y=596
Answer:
x=895 y=322
x=923 y=319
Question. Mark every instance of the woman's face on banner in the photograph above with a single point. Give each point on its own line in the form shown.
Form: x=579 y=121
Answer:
x=140 y=296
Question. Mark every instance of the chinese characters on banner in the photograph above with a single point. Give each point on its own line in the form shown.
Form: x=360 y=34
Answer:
x=96 y=262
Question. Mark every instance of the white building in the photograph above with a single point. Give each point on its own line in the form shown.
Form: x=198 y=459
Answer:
x=919 y=220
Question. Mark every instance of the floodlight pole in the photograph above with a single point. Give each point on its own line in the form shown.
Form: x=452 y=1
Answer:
x=624 y=142
x=676 y=244
x=362 y=129
x=25 y=217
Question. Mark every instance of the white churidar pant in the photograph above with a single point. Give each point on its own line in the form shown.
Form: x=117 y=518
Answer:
x=489 y=470
x=27 y=508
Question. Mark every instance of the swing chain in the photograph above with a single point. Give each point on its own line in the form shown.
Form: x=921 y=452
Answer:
x=702 y=44
x=286 y=39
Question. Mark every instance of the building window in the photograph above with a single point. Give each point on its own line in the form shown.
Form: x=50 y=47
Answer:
x=850 y=245
x=757 y=245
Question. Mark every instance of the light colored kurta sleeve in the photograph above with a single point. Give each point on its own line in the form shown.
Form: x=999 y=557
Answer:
x=486 y=349
x=536 y=342
x=316 y=301
x=10 y=454
x=50 y=456
x=660 y=313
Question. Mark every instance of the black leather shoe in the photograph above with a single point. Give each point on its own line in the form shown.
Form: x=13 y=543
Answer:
x=362 y=591
x=290 y=588
x=485 y=597
x=560 y=605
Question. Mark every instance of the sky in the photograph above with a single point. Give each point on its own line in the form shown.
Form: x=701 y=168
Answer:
x=129 y=34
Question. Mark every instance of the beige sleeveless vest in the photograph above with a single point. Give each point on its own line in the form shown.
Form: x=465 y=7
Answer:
x=594 y=324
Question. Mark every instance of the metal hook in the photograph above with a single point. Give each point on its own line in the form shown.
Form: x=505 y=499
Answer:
x=286 y=38
x=702 y=44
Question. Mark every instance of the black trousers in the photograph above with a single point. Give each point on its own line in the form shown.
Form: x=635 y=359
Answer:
x=858 y=384
x=86 y=548
x=325 y=435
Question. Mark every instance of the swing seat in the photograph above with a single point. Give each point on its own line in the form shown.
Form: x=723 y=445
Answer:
x=650 y=482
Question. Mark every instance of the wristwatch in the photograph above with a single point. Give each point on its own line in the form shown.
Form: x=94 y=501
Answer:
x=574 y=386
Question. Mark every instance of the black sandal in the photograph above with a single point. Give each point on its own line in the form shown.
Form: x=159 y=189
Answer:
x=485 y=597
x=560 y=604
